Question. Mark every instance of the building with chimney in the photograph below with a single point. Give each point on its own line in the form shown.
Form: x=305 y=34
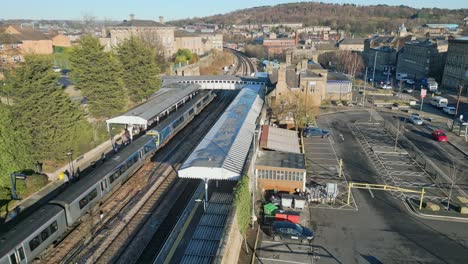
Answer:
x=456 y=65
x=148 y=29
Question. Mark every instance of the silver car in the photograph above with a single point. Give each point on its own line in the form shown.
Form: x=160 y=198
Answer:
x=415 y=119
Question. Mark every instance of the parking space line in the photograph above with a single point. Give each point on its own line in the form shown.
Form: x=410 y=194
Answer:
x=284 y=261
x=371 y=193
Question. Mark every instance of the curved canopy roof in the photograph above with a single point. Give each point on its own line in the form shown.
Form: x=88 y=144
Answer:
x=221 y=154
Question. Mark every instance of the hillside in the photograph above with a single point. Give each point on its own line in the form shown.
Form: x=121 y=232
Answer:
x=352 y=18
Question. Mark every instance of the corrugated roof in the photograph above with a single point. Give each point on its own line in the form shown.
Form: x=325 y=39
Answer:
x=221 y=154
x=280 y=159
x=274 y=138
x=352 y=41
x=204 y=243
x=162 y=100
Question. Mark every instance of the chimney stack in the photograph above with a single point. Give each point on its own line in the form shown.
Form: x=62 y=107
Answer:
x=161 y=19
x=132 y=17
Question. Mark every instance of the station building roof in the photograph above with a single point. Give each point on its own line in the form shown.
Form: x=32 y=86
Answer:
x=279 y=139
x=222 y=153
x=280 y=159
x=148 y=112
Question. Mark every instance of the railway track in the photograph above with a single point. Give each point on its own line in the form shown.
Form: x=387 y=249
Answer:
x=244 y=66
x=131 y=205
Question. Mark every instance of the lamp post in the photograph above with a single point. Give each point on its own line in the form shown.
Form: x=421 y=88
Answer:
x=70 y=162
x=373 y=74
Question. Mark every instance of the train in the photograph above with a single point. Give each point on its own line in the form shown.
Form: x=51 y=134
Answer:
x=28 y=238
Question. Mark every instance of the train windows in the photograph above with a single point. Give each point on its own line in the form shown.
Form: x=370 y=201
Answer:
x=191 y=111
x=13 y=259
x=21 y=253
x=199 y=104
x=34 y=243
x=92 y=194
x=178 y=122
x=205 y=99
x=88 y=198
x=44 y=234
x=53 y=227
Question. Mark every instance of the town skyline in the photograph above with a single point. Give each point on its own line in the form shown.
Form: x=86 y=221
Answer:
x=153 y=9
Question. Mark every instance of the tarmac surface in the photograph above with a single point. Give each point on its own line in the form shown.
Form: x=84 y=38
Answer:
x=382 y=230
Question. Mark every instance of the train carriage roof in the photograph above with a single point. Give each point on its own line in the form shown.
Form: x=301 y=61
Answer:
x=22 y=230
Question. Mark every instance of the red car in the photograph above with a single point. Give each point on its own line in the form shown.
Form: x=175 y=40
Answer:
x=439 y=135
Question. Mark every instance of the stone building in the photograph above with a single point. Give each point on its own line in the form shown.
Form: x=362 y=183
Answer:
x=383 y=50
x=423 y=58
x=456 y=65
x=149 y=29
x=198 y=42
x=356 y=44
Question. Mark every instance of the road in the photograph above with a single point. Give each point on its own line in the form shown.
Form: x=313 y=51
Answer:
x=382 y=230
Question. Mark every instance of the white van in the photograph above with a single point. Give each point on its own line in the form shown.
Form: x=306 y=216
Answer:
x=439 y=101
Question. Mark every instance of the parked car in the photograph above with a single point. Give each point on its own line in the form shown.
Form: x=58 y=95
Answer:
x=386 y=87
x=415 y=119
x=408 y=90
x=450 y=110
x=284 y=230
x=315 y=132
x=410 y=82
x=439 y=135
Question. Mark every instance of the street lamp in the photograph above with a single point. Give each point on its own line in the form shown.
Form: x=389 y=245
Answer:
x=13 y=177
x=70 y=162
x=373 y=74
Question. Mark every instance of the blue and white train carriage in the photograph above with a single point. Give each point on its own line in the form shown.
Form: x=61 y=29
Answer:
x=31 y=236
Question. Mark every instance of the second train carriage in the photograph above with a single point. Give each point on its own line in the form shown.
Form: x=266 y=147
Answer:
x=35 y=233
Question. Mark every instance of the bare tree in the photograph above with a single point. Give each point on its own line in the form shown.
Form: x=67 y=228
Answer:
x=88 y=22
x=453 y=179
x=152 y=38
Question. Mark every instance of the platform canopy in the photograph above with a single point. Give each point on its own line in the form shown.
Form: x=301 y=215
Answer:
x=159 y=104
x=221 y=155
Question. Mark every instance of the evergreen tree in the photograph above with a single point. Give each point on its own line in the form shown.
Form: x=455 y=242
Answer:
x=44 y=117
x=14 y=152
x=99 y=76
x=141 y=73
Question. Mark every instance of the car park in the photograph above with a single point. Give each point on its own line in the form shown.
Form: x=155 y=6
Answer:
x=315 y=132
x=449 y=110
x=415 y=119
x=439 y=135
x=284 y=230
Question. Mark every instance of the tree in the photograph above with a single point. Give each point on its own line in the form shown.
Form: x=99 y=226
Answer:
x=45 y=119
x=151 y=38
x=14 y=151
x=183 y=55
x=99 y=76
x=140 y=72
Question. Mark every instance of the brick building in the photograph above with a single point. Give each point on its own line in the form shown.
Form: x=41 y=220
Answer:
x=423 y=58
x=278 y=46
x=456 y=65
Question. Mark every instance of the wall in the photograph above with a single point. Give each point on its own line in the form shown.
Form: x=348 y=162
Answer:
x=189 y=70
x=230 y=245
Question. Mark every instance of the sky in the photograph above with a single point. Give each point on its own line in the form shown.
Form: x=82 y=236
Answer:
x=171 y=10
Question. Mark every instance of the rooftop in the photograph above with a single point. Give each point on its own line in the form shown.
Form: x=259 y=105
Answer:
x=140 y=23
x=281 y=159
x=279 y=139
x=352 y=41
x=145 y=113
x=25 y=33
x=451 y=26
x=222 y=153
